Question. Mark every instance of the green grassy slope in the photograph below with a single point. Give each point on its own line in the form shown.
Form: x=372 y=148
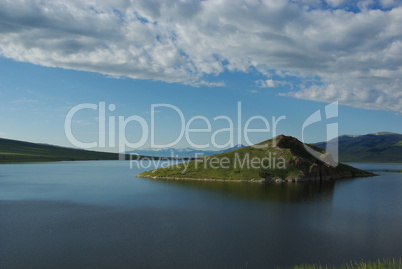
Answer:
x=19 y=151
x=380 y=147
x=286 y=157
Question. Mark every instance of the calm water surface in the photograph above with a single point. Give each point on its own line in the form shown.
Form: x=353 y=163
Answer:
x=97 y=214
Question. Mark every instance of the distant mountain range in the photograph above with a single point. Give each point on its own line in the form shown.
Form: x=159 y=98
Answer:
x=180 y=152
x=376 y=147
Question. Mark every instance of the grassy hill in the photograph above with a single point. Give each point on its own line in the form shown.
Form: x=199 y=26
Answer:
x=282 y=158
x=378 y=147
x=19 y=151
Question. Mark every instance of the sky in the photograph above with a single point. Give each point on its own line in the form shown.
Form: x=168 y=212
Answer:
x=185 y=65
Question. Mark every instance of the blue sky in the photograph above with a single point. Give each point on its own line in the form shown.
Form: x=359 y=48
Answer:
x=278 y=58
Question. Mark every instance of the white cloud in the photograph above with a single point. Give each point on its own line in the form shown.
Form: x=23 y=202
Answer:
x=389 y=3
x=365 y=4
x=355 y=55
x=269 y=83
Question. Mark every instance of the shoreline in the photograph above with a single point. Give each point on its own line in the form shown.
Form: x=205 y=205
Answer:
x=260 y=181
x=201 y=179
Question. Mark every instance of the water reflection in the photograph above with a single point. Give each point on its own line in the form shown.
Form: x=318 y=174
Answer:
x=285 y=192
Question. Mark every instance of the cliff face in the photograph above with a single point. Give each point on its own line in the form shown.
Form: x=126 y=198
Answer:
x=281 y=159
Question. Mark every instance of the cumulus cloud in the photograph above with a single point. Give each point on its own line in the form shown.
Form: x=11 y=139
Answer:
x=349 y=51
x=269 y=83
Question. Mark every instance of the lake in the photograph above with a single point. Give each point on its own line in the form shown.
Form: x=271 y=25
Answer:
x=97 y=214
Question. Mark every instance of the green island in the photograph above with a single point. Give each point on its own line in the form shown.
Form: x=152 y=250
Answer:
x=280 y=159
x=379 y=264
